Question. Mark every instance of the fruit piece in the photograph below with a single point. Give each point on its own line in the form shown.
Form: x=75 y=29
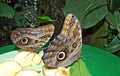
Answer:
x=9 y=68
x=28 y=58
x=28 y=73
x=60 y=71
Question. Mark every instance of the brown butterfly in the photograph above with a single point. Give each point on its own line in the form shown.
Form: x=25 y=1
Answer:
x=65 y=49
x=32 y=38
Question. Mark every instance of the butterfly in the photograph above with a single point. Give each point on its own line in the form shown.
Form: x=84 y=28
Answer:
x=32 y=38
x=65 y=48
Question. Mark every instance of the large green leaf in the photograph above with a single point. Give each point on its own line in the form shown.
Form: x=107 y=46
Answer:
x=99 y=39
x=79 y=69
x=89 y=12
x=6 y=10
x=100 y=62
x=114 y=45
x=114 y=19
x=113 y=5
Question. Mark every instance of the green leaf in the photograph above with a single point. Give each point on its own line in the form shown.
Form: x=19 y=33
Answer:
x=44 y=19
x=17 y=5
x=114 y=19
x=6 y=10
x=114 y=45
x=20 y=19
x=99 y=39
x=113 y=5
x=89 y=12
x=79 y=69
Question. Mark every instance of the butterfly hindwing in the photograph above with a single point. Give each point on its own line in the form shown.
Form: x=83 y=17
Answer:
x=32 y=38
x=65 y=49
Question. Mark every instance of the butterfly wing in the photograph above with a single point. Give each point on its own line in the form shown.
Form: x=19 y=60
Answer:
x=32 y=38
x=65 y=49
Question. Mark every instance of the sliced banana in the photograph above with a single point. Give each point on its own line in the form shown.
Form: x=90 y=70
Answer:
x=28 y=73
x=9 y=68
x=60 y=71
x=28 y=58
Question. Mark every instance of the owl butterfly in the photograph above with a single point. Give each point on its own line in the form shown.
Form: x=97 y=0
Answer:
x=65 y=48
x=32 y=38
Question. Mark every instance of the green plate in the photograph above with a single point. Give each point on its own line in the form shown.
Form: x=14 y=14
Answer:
x=98 y=62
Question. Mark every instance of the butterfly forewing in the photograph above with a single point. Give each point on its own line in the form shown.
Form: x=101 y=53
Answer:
x=65 y=49
x=32 y=38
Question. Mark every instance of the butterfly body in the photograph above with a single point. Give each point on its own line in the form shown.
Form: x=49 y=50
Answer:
x=65 y=49
x=32 y=38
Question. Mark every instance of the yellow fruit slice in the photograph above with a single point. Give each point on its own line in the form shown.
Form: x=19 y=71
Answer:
x=9 y=68
x=28 y=58
x=60 y=71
